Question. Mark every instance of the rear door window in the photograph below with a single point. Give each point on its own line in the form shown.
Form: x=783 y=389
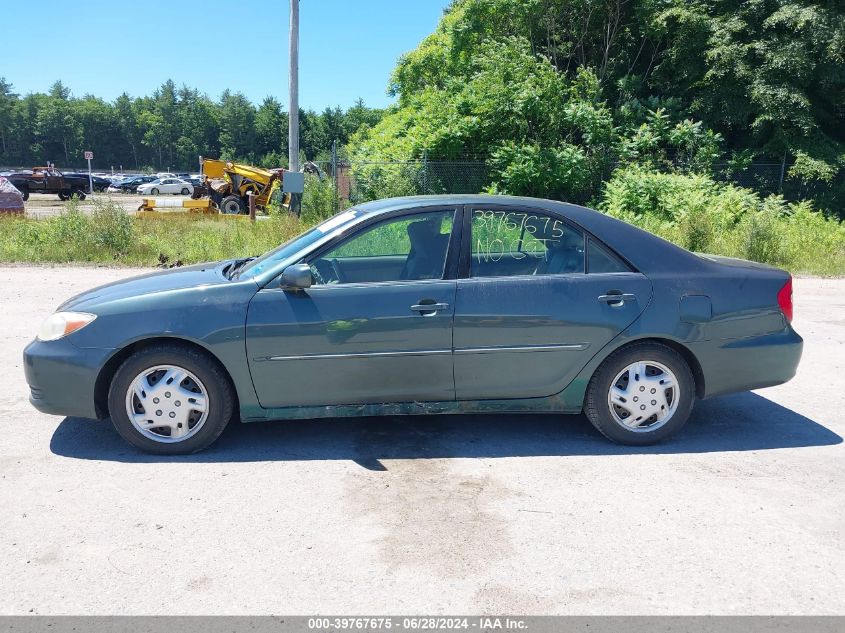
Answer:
x=511 y=243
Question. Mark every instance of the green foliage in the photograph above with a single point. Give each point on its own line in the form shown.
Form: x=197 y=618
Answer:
x=760 y=233
x=111 y=236
x=561 y=172
x=385 y=180
x=807 y=168
x=702 y=215
x=691 y=210
x=318 y=201
x=70 y=227
x=111 y=228
x=675 y=85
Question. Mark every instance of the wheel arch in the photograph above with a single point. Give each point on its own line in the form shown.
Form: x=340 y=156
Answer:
x=107 y=371
x=677 y=346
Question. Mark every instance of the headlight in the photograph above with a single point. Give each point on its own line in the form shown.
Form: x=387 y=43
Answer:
x=63 y=323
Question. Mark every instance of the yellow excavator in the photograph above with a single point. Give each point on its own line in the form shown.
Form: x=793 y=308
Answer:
x=226 y=187
x=229 y=184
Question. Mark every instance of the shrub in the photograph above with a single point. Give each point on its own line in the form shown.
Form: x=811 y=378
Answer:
x=374 y=181
x=111 y=228
x=812 y=242
x=318 y=201
x=702 y=215
x=561 y=173
x=70 y=228
x=762 y=233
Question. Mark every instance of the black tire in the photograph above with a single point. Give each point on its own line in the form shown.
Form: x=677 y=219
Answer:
x=220 y=397
x=185 y=191
x=597 y=407
x=80 y=195
x=153 y=191
x=64 y=195
x=232 y=205
x=25 y=194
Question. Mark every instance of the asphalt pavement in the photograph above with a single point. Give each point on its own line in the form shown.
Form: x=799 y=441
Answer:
x=742 y=513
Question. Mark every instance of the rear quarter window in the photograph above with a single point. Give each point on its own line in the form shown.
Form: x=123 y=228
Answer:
x=600 y=260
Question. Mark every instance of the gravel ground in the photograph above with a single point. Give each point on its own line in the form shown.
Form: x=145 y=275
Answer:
x=42 y=205
x=743 y=513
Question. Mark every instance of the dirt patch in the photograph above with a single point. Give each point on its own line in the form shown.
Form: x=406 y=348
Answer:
x=42 y=205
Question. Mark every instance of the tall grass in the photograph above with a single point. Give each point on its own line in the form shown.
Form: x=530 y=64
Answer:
x=110 y=236
x=693 y=211
x=705 y=216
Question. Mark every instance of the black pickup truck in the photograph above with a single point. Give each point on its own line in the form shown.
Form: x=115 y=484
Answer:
x=49 y=180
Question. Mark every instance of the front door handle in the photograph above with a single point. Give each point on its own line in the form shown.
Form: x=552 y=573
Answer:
x=428 y=309
x=617 y=298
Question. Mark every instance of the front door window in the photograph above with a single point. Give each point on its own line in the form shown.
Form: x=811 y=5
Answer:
x=407 y=248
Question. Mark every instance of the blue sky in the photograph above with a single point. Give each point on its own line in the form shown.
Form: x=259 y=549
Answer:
x=106 y=47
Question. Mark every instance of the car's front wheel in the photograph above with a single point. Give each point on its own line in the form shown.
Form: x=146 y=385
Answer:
x=641 y=394
x=154 y=191
x=170 y=399
x=185 y=191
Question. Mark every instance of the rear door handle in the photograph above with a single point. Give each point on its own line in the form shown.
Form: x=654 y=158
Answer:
x=617 y=298
x=431 y=308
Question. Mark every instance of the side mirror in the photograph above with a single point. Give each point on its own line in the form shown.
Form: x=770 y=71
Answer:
x=297 y=277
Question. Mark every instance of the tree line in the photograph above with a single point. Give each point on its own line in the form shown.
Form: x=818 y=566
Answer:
x=169 y=129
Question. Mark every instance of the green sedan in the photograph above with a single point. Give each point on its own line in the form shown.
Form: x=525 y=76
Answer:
x=436 y=304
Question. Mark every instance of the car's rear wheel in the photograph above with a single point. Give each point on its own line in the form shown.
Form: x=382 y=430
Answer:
x=79 y=195
x=641 y=394
x=64 y=195
x=25 y=194
x=170 y=399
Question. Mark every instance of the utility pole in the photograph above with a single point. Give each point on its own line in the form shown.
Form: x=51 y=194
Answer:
x=293 y=87
x=334 y=173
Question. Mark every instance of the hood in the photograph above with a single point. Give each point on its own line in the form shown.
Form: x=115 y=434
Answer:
x=162 y=281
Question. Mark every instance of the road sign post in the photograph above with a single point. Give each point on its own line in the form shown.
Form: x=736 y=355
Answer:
x=89 y=156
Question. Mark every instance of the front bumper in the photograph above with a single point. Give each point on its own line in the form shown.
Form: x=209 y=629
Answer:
x=62 y=377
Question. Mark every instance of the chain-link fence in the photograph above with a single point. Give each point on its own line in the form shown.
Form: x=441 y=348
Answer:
x=369 y=180
x=773 y=178
x=360 y=181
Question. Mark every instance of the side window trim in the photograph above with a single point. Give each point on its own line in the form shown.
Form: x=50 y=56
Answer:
x=466 y=242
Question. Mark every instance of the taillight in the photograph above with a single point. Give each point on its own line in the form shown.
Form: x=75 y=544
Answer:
x=785 y=299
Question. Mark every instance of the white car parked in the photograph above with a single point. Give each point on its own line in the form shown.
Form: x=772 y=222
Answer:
x=166 y=185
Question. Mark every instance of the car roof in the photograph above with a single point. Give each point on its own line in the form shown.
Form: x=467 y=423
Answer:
x=646 y=251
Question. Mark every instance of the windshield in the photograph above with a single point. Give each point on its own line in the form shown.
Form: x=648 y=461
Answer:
x=269 y=259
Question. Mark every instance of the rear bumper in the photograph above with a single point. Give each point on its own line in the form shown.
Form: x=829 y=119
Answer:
x=62 y=377
x=748 y=363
